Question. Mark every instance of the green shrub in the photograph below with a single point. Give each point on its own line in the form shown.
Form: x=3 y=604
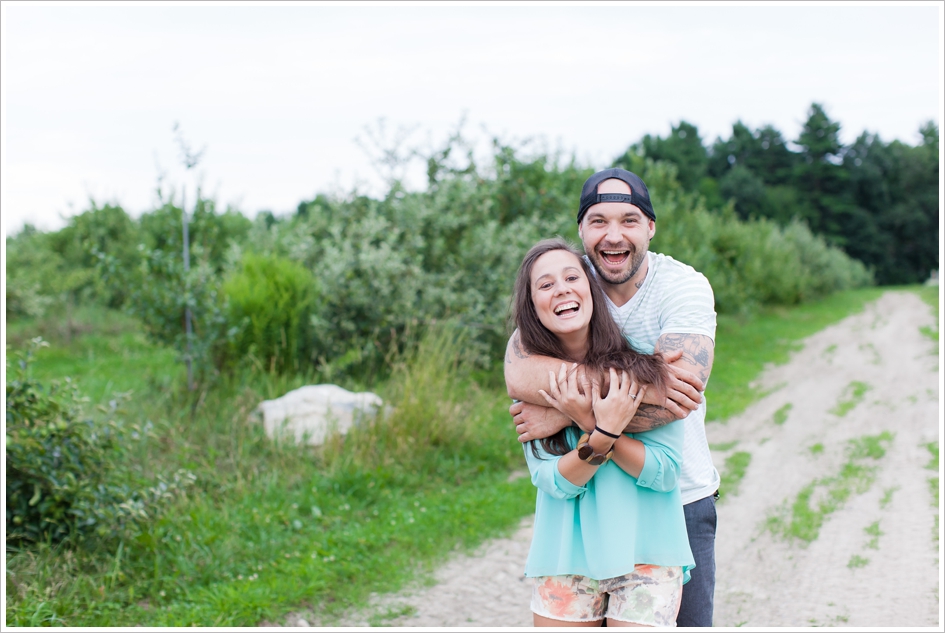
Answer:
x=272 y=301
x=160 y=291
x=67 y=473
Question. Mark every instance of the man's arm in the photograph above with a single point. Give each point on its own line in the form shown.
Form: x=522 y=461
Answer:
x=526 y=373
x=696 y=353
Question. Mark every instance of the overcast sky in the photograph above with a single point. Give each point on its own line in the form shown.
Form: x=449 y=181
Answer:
x=278 y=94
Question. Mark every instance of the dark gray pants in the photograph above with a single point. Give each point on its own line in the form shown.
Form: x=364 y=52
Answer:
x=699 y=593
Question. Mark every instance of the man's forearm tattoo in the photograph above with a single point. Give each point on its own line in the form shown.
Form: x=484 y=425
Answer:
x=694 y=348
x=515 y=347
x=649 y=417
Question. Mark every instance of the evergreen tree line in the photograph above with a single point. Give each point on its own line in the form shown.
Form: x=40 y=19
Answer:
x=877 y=201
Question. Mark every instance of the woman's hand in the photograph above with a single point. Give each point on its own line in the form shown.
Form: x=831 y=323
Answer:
x=571 y=395
x=614 y=411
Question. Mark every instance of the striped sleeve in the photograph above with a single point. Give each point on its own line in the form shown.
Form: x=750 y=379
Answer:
x=690 y=307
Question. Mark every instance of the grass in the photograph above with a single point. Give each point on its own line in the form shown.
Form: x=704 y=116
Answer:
x=724 y=446
x=392 y=614
x=852 y=395
x=744 y=346
x=930 y=294
x=736 y=465
x=887 y=497
x=816 y=449
x=857 y=561
x=873 y=531
x=934 y=488
x=804 y=517
x=106 y=353
x=780 y=416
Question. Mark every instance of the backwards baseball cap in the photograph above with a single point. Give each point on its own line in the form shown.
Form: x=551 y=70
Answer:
x=638 y=195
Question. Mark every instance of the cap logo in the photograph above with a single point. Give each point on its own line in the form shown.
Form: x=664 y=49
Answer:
x=614 y=197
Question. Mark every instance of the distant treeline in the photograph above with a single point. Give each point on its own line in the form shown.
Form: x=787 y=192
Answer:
x=338 y=283
x=877 y=201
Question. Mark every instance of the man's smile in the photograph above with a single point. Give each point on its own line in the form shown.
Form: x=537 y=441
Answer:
x=614 y=257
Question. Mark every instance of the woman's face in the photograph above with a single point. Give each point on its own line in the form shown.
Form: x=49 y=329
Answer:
x=561 y=292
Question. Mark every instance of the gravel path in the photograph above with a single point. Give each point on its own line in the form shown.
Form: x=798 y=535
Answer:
x=876 y=559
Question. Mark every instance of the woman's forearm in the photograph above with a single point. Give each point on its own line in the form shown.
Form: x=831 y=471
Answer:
x=630 y=455
x=578 y=471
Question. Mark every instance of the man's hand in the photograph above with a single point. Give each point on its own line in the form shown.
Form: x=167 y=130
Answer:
x=682 y=388
x=534 y=422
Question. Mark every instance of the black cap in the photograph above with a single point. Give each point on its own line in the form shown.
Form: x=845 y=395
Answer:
x=639 y=196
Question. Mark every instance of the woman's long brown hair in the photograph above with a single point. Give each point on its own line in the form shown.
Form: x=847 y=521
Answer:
x=606 y=346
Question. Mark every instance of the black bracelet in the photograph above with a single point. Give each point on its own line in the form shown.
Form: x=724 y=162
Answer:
x=603 y=432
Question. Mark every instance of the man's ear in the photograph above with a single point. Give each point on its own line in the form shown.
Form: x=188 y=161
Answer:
x=581 y=230
x=652 y=224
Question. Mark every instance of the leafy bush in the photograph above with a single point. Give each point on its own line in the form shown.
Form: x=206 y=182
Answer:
x=161 y=291
x=25 y=299
x=273 y=302
x=99 y=229
x=209 y=231
x=29 y=264
x=66 y=472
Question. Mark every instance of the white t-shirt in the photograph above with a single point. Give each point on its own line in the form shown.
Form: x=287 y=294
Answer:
x=675 y=299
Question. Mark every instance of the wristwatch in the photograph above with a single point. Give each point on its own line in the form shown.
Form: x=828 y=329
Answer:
x=586 y=452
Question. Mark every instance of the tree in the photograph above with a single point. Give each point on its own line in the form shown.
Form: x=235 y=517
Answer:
x=819 y=175
x=748 y=191
x=683 y=147
x=764 y=152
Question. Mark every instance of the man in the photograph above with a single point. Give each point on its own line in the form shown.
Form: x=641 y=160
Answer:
x=662 y=306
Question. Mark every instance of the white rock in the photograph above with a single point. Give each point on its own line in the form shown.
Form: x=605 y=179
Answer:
x=313 y=412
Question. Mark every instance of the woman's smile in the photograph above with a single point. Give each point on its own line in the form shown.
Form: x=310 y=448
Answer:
x=561 y=293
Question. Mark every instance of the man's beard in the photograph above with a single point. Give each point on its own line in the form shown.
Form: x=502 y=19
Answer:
x=636 y=260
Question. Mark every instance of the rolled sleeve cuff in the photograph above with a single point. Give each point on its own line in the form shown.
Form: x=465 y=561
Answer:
x=653 y=474
x=567 y=489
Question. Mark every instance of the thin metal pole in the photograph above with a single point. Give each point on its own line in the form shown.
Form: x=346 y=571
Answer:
x=187 y=325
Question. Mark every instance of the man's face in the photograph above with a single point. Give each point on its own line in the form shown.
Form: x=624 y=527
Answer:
x=616 y=235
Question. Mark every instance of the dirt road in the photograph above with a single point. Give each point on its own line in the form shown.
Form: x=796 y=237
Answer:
x=864 y=403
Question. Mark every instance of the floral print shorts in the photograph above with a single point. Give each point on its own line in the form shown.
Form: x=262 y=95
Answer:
x=650 y=595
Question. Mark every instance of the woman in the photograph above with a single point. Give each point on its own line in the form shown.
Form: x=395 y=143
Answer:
x=610 y=535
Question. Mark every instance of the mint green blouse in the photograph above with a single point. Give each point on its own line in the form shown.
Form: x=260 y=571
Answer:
x=614 y=521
